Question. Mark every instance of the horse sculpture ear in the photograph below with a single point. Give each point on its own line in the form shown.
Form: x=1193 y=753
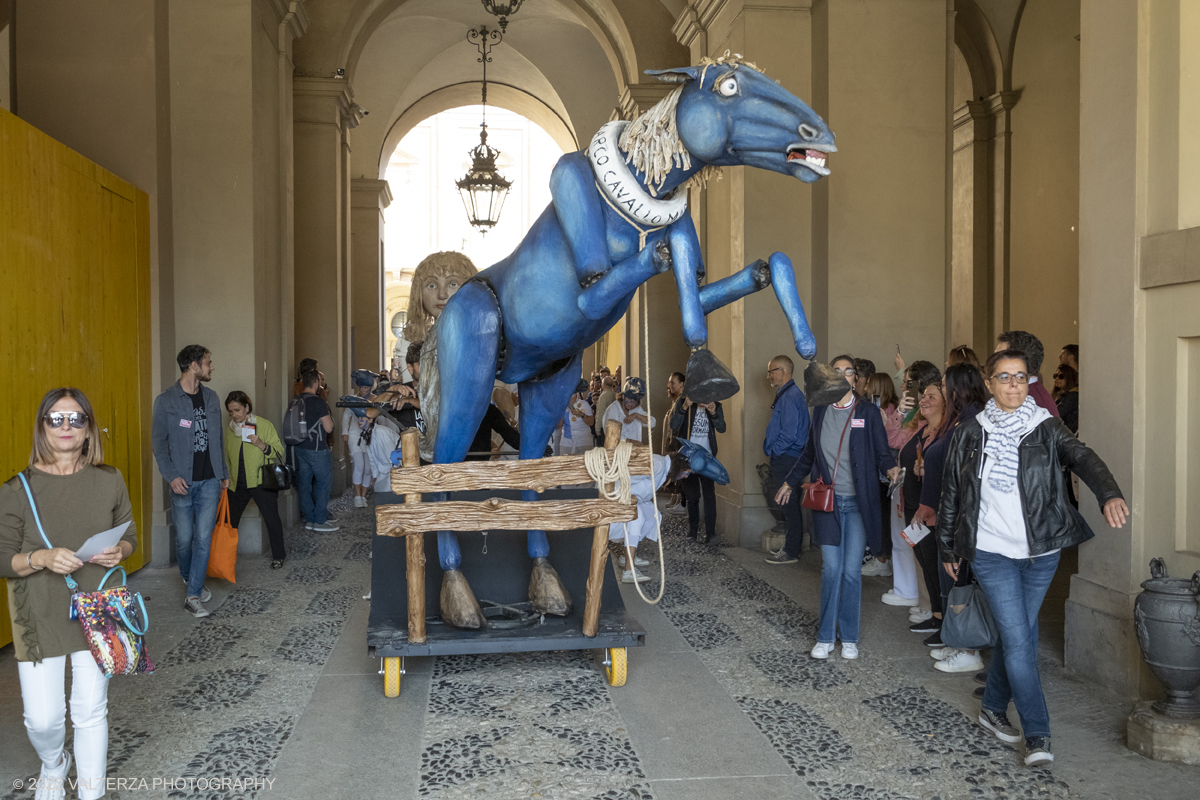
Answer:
x=676 y=75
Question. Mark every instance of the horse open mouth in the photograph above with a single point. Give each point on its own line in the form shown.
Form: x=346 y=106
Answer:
x=813 y=159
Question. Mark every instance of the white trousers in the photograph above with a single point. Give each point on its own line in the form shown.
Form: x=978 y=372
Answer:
x=43 y=692
x=904 y=561
x=362 y=467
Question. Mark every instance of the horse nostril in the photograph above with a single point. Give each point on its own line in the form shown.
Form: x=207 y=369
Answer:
x=808 y=131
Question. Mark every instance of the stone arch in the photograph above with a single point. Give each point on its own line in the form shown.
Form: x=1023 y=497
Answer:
x=600 y=17
x=465 y=94
x=976 y=41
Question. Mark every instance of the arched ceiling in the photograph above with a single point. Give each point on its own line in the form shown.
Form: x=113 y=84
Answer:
x=567 y=60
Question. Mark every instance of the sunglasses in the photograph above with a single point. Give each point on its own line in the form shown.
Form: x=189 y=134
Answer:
x=76 y=419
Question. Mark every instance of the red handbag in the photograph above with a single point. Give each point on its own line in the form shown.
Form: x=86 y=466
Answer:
x=818 y=495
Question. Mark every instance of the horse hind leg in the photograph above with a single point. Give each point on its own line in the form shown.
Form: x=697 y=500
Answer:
x=467 y=349
x=543 y=401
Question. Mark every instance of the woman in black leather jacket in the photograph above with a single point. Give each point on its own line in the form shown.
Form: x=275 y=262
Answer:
x=1004 y=509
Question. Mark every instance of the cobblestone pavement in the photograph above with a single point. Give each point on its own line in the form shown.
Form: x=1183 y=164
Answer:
x=251 y=688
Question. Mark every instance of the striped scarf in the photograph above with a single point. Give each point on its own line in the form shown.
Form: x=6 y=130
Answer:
x=1002 y=442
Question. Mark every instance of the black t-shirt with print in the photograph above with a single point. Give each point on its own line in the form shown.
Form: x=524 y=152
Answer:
x=314 y=409
x=202 y=469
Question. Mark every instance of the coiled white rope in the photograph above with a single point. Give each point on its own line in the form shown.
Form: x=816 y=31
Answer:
x=615 y=471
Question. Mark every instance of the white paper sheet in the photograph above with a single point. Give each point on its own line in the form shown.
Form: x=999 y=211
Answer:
x=97 y=544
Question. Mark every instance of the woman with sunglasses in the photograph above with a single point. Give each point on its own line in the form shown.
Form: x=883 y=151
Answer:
x=1004 y=510
x=77 y=496
x=847 y=449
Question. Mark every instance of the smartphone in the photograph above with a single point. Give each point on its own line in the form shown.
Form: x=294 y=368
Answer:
x=897 y=349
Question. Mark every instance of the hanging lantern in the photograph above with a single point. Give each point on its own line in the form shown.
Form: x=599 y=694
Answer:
x=502 y=10
x=483 y=188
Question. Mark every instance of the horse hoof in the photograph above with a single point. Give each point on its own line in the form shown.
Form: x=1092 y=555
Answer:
x=546 y=591
x=823 y=385
x=459 y=606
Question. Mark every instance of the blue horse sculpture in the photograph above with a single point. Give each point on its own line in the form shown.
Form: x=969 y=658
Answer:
x=618 y=217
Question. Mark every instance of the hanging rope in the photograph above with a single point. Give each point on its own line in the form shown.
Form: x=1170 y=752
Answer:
x=662 y=566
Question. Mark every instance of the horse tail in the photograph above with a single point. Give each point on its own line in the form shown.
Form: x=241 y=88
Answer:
x=430 y=386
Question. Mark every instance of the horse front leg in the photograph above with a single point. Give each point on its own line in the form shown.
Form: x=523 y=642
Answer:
x=602 y=295
x=778 y=273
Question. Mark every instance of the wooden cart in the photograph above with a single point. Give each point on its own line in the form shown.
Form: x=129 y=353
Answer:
x=491 y=520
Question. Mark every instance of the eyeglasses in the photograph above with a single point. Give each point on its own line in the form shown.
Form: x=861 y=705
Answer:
x=1011 y=377
x=848 y=372
x=77 y=419
x=774 y=369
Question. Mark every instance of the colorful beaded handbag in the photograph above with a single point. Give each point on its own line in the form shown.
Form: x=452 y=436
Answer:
x=114 y=621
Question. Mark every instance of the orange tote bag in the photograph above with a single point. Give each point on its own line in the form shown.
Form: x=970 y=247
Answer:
x=222 y=554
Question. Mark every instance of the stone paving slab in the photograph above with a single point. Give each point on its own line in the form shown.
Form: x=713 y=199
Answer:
x=723 y=702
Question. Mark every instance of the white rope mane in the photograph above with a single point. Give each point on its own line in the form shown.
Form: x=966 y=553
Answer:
x=652 y=145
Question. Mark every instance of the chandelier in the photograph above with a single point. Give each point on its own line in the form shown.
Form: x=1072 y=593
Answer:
x=483 y=188
x=502 y=10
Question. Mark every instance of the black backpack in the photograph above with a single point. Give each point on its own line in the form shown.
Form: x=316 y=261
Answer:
x=294 y=429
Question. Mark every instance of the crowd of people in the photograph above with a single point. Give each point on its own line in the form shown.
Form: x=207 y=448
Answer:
x=966 y=474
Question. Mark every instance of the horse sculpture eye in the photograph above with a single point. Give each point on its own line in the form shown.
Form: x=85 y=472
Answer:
x=728 y=87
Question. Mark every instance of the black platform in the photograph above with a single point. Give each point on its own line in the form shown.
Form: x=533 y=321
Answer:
x=501 y=576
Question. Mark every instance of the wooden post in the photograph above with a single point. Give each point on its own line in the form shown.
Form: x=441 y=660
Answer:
x=414 y=547
x=595 y=581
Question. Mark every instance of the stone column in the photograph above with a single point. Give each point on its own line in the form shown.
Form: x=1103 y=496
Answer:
x=368 y=199
x=1139 y=287
x=323 y=114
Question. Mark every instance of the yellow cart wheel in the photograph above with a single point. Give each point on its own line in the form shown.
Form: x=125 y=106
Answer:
x=391 y=677
x=615 y=665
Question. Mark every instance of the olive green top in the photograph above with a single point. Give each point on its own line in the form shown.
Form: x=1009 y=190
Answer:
x=72 y=508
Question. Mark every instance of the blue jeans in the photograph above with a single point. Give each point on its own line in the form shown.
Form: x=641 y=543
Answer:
x=781 y=467
x=315 y=468
x=841 y=576
x=195 y=515
x=1015 y=590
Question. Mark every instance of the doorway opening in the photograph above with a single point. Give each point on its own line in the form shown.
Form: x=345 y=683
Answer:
x=427 y=214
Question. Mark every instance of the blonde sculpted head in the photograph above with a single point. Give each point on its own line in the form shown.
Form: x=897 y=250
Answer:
x=436 y=279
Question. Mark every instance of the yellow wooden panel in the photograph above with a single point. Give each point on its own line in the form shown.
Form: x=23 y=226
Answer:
x=74 y=306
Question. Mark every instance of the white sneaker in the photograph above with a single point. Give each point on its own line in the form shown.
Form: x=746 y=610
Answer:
x=916 y=615
x=205 y=594
x=629 y=576
x=676 y=510
x=638 y=561
x=849 y=651
x=892 y=599
x=961 y=661
x=942 y=653
x=822 y=650
x=52 y=783
x=360 y=502
x=877 y=569
x=308 y=526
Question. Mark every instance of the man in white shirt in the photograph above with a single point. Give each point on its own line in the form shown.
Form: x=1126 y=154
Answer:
x=629 y=412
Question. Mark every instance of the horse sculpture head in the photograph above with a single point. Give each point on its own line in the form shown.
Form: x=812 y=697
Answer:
x=727 y=113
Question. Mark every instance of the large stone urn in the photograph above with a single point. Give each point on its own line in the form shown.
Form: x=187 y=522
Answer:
x=1167 y=615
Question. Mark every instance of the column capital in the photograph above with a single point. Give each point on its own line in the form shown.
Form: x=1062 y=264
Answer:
x=291 y=15
x=370 y=193
x=327 y=101
x=687 y=27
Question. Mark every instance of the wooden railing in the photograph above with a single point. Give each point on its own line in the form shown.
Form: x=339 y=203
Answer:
x=413 y=518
